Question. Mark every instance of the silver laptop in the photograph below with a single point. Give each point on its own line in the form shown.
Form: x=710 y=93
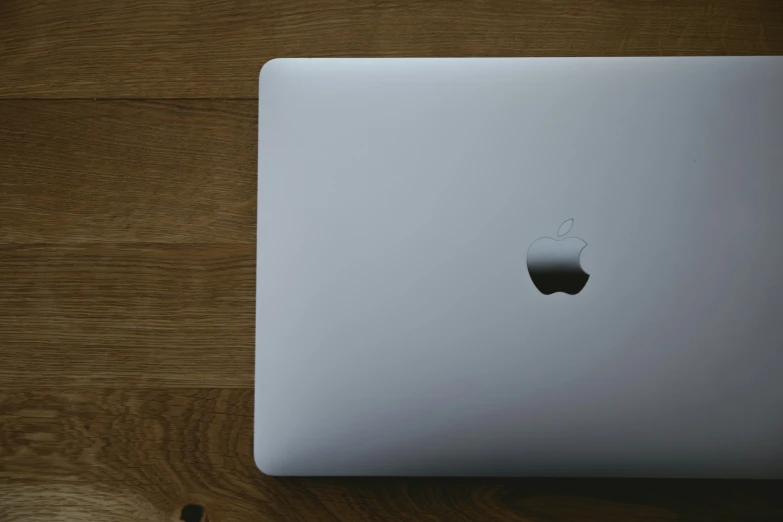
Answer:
x=527 y=267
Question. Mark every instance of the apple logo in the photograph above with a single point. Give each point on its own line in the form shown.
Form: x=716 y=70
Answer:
x=554 y=265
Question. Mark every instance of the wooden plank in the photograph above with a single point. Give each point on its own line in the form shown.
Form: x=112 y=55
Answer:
x=203 y=48
x=119 y=454
x=127 y=315
x=151 y=171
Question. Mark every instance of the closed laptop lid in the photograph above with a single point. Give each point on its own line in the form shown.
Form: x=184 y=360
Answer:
x=534 y=267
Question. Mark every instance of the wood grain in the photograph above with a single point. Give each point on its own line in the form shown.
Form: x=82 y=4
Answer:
x=127 y=315
x=209 y=48
x=127 y=251
x=119 y=454
x=179 y=171
x=127 y=242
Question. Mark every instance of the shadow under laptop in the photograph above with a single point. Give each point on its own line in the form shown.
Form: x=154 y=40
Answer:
x=548 y=499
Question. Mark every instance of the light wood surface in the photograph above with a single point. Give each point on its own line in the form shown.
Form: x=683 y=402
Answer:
x=120 y=454
x=127 y=248
x=128 y=171
x=209 y=48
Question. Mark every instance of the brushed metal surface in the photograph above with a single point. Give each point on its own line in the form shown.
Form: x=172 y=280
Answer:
x=398 y=330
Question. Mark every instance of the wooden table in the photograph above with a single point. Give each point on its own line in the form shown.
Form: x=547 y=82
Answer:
x=127 y=233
